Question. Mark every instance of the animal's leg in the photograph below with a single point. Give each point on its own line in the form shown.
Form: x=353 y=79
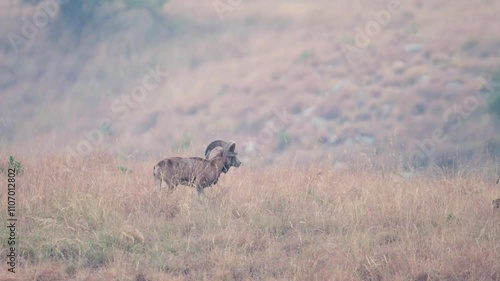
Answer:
x=200 y=191
x=170 y=189
x=158 y=182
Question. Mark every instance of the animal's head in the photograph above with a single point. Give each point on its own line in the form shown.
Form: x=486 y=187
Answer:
x=227 y=151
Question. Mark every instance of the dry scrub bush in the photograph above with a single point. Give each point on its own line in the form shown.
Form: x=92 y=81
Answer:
x=94 y=222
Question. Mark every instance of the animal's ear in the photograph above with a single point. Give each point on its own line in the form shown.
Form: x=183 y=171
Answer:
x=229 y=147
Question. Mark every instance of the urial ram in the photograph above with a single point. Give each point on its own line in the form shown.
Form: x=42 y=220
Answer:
x=195 y=171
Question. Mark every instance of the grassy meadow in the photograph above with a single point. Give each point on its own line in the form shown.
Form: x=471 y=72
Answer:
x=274 y=78
x=102 y=221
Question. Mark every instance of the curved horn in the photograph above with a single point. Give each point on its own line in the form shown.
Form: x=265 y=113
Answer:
x=214 y=144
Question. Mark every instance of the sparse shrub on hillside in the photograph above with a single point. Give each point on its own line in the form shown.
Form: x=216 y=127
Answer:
x=124 y=170
x=469 y=45
x=13 y=164
x=284 y=141
x=418 y=109
x=77 y=15
x=106 y=129
x=304 y=57
x=183 y=144
x=329 y=110
x=494 y=101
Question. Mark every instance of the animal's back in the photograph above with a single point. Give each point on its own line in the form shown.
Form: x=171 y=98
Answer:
x=182 y=166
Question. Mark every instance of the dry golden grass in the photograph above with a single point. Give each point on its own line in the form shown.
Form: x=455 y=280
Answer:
x=95 y=222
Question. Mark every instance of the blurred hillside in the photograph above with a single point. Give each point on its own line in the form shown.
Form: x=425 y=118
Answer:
x=307 y=80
